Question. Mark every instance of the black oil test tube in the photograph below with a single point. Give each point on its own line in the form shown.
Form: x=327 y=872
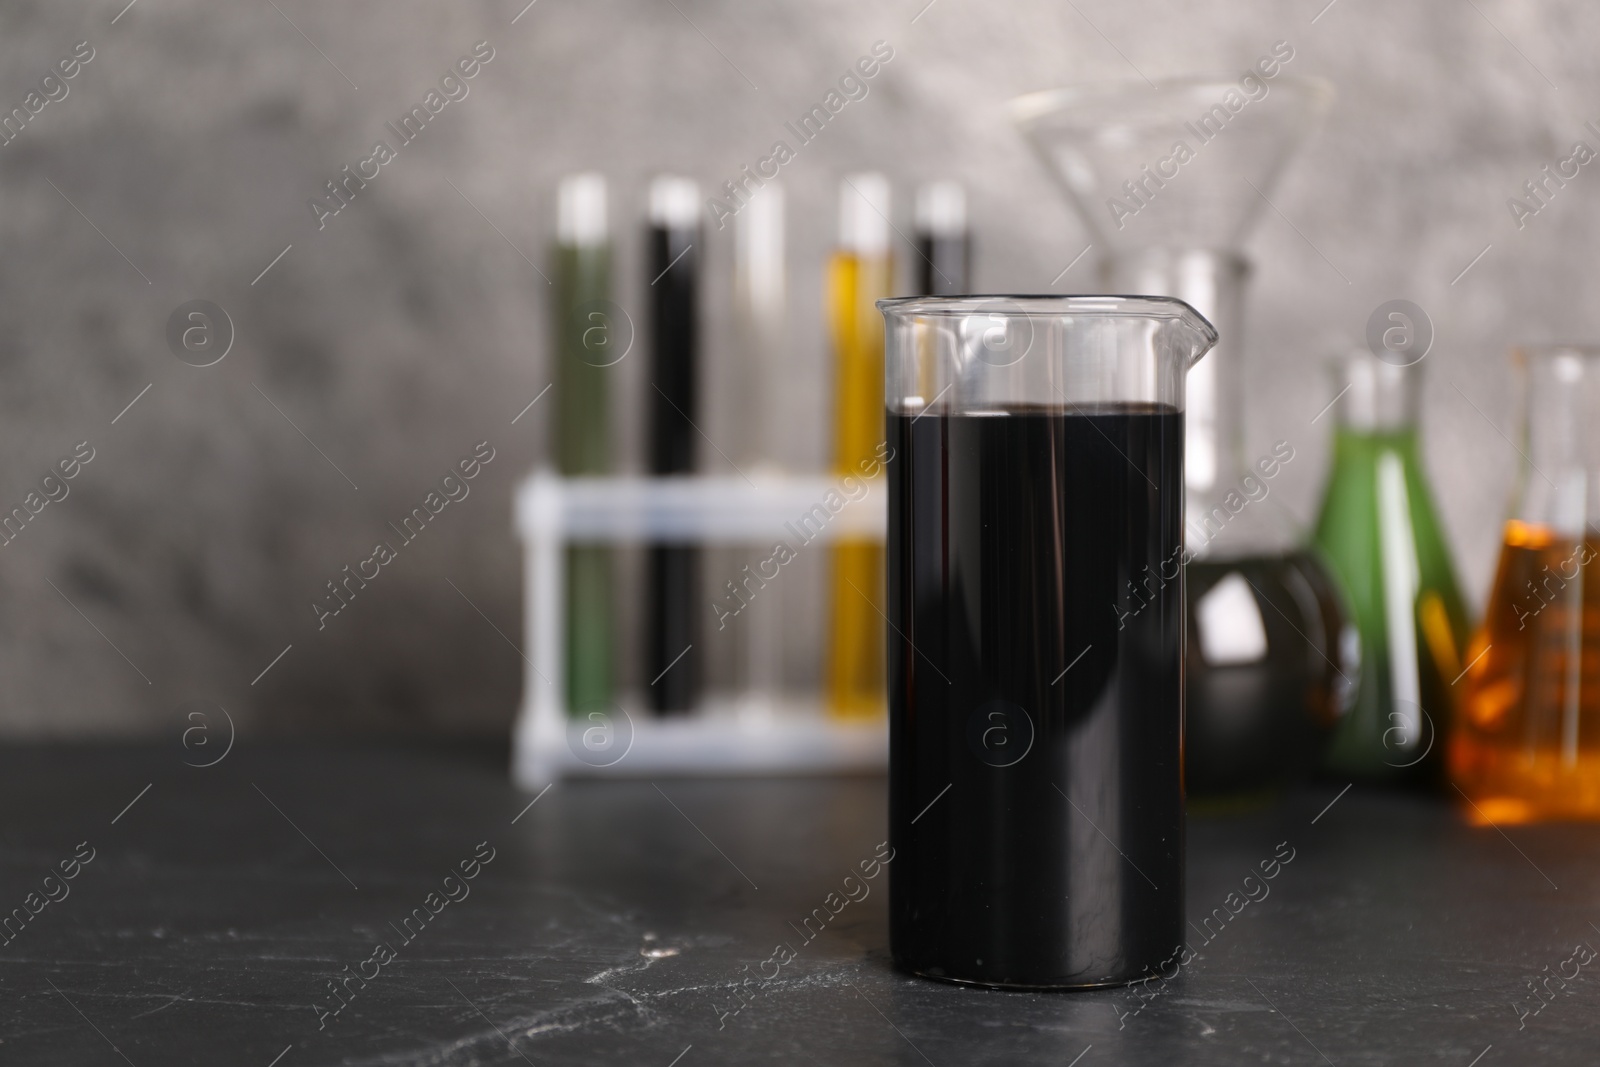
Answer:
x=944 y=243
x=673 y=571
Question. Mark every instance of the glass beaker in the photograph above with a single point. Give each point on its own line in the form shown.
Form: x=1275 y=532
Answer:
x=1379 y=530
x=1035 y=712
x=1169 y=179
x=1527 y=737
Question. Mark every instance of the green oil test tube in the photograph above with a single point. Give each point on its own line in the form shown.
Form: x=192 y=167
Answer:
x=589 y=339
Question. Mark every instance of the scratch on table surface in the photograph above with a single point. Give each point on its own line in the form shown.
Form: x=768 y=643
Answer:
x=617 y=1010
x=638 y=965
x=168 y=999
x=177 y=998
x=52 y=1028
x=613 y=1011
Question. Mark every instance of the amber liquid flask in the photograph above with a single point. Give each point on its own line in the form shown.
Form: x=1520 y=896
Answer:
x=1527 y=737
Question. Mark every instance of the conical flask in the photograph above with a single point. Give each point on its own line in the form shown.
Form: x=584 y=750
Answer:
x=1380 y=531
x=1526 y=743
x=1170 y=179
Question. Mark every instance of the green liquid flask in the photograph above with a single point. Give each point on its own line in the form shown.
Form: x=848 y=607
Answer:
x=584 y=340
x=1380 y=532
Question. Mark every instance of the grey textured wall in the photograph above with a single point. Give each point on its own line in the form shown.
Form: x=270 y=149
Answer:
x=190 y=549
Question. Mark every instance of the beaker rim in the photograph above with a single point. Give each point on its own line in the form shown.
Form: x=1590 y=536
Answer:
x=1163 y=309
x=1112 y=305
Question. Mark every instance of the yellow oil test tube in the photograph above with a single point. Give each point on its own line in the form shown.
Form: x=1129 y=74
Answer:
x=859 y=274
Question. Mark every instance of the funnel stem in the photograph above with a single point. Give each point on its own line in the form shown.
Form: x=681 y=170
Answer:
x=1213 y=284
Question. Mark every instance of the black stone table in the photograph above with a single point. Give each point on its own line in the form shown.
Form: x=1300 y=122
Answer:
x=636 y=922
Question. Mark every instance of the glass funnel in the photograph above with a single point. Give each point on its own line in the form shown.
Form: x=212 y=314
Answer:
x=1169 y=180
x=1527 y=737
x=1380 y=531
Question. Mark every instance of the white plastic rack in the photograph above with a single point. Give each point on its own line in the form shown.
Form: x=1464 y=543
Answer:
x=787 y=738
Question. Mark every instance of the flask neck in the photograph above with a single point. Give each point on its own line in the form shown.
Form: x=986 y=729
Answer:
x=1374 y=396
x=1560 y=484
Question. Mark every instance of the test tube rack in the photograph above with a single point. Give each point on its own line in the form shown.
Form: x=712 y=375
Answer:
x=552 y=511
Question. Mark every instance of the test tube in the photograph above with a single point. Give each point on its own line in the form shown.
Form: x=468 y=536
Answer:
x=944 y=243
x=581 y=314
x=760 y=310
x=672 y=267
x=760 y=304
x=859 y=274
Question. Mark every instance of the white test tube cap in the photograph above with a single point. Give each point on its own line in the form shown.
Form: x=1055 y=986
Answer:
x=674 y=202
x=581 y=209
x=864 y=214
x=942 y=209
x=758 y=241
